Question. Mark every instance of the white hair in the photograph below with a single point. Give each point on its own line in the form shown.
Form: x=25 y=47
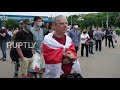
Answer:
x=58 y=18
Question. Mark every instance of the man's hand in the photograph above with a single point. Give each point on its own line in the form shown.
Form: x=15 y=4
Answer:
x=22 y=58
x=3 y=35
x=33 y=51
x=69 y=55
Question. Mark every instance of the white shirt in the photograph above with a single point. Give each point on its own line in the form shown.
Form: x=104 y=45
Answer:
x=10 y=33
x=85 y=36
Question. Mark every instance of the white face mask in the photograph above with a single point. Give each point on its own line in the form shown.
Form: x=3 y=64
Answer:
x=39 y=24
x=76 y=26
x=68 y=29
x=28 y=27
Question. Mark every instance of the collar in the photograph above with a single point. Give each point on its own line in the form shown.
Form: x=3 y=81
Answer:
x=75 y=30
x=26 y=31
x=36 y=29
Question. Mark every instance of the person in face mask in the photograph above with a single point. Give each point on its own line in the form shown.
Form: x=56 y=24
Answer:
x=38 y=36
x=39 y=23
x=84 y=37
x=75 y=34
x=28 y=27
x=3 y=34
x=25 y=52
x=84 y=31
x=26 y=24
x=75 y=26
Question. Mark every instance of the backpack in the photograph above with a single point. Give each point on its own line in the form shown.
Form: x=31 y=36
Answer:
x=110 y=36
x=13 y=55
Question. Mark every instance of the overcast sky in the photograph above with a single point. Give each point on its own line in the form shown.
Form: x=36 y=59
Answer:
x=43 y=13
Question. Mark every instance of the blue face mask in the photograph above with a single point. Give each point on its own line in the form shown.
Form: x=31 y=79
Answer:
x=28 y=27
x=39 y=24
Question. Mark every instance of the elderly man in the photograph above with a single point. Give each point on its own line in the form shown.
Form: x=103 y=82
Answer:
x=58 y=50
x=75 y=36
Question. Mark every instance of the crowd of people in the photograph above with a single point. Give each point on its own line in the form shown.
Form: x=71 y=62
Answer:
x=56 y=44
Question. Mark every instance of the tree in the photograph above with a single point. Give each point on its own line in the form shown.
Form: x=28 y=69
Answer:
x=97 y=19
x=10 y=24
x=74 y=19
x=117 y=19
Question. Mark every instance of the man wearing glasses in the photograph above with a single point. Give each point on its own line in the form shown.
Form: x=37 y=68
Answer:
x=59 y=52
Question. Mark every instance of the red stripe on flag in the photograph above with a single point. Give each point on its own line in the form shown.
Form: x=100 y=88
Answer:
x=52 y=56
x=72 y=49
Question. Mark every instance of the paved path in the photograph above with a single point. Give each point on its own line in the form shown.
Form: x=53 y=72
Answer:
x=104 y=64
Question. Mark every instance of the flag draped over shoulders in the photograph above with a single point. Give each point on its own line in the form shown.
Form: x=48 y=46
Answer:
x=53 y=50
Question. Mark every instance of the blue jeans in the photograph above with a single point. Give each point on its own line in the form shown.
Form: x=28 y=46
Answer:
x=3 y=48
x=91 y=47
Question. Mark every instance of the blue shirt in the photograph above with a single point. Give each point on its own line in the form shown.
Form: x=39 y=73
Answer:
x=75 y=36
x=38 y=37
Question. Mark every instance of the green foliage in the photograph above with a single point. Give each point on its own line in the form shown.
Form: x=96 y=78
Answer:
x=117 y=31
x=96 y=19
x=10 y=23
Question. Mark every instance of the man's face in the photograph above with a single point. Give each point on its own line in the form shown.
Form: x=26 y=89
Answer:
x=21 y=25
x=61 y=26
x=39 y=23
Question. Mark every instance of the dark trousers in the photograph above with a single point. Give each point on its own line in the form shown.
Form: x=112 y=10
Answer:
x=109 y=42
x=17 y=65
x=3 y=48
x=82 y=49
x=106 y=40
x=98 y=42
x=76 y=48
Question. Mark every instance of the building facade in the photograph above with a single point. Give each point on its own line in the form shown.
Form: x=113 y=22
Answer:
x=21 y=17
